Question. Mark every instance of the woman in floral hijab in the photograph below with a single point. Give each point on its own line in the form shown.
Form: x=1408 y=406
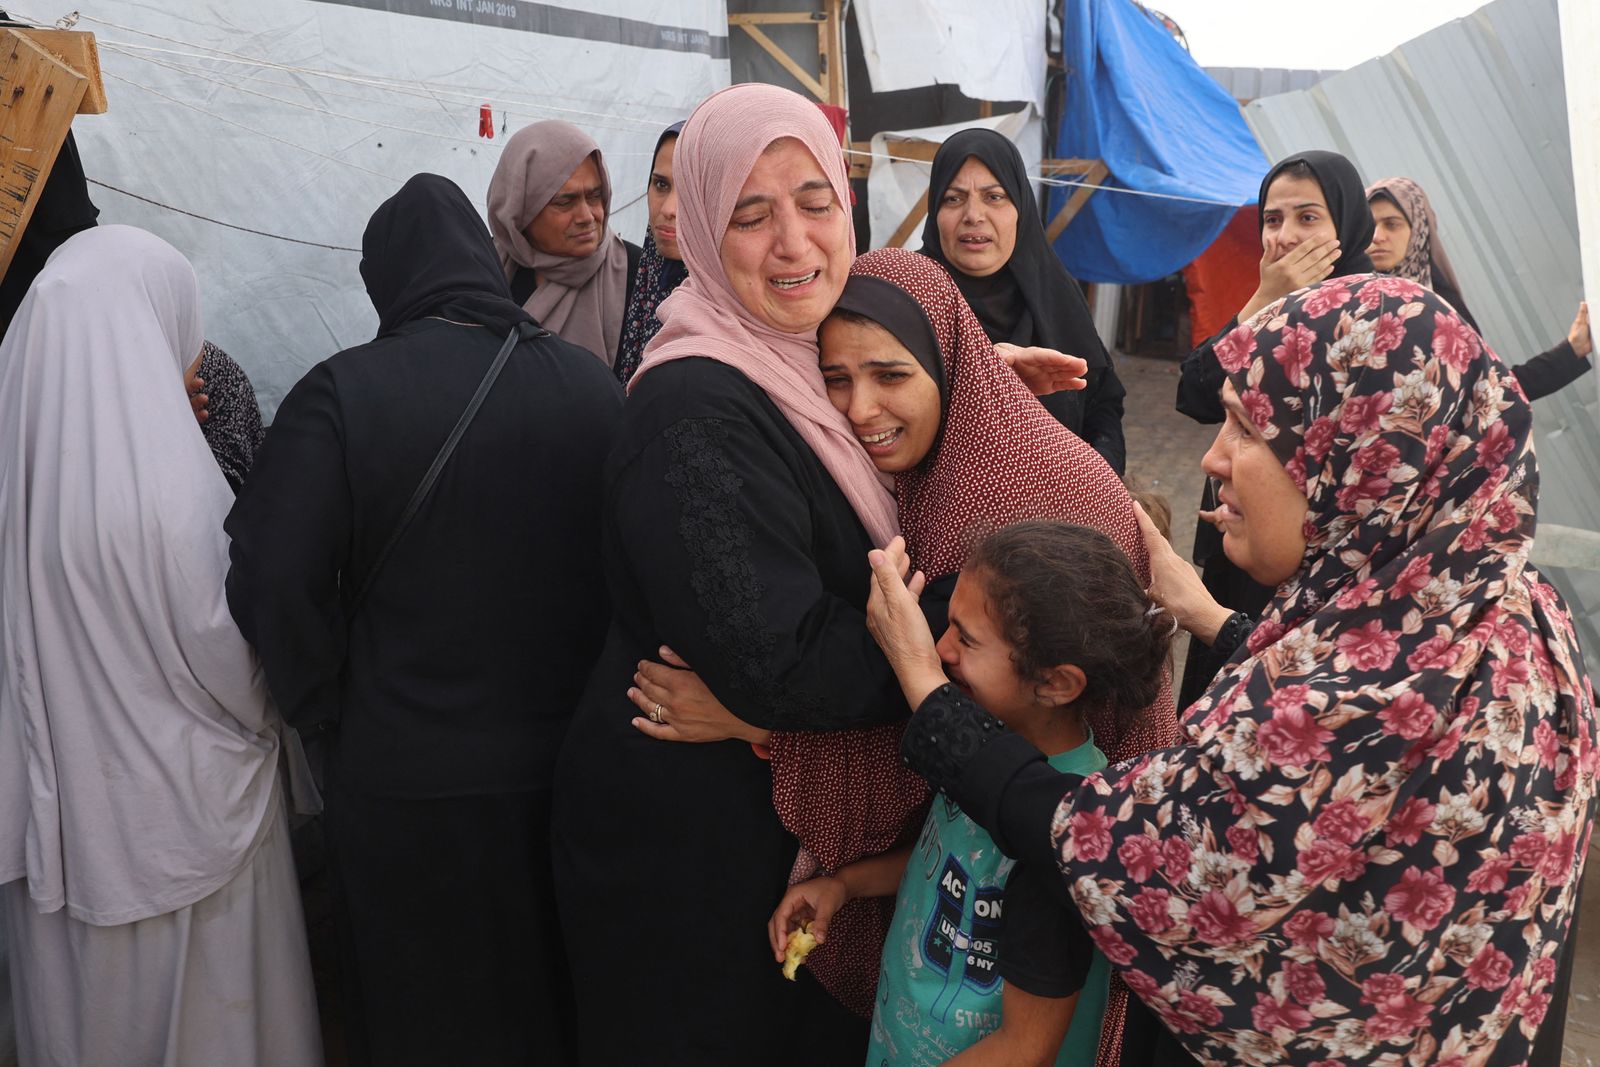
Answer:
x=1370 y=850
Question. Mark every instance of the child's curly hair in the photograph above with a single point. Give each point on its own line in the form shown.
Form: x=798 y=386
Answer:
x=1067 y=594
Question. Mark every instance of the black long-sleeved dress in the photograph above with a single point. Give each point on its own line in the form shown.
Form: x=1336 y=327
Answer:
x=452 y=685
x=727 y=540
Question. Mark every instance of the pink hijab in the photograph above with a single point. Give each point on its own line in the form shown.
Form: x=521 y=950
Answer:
x=582 y=299
x=703 y=317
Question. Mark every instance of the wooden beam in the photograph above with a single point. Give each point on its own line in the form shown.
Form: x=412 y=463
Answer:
x=39 y=94
x=1079 y=197
x=1052 y=168
x=913 y=150
x=776 y=18
x=909 y=224
x=77 y=50
x=801 y=75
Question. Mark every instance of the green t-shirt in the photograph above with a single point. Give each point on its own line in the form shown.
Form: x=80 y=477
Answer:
x=939 y=984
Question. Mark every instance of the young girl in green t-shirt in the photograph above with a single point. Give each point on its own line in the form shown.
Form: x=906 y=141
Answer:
x=982 y=965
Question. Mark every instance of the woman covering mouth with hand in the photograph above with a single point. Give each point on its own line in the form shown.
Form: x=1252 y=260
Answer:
x=1314 y=224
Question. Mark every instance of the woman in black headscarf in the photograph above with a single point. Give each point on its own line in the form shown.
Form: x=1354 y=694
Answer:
x=1314 y=222
x=983 y=227
x=447 y=686
x=64 y=208
x=661 y=268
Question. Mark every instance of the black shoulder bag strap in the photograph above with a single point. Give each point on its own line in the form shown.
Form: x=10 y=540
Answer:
x=520 y=332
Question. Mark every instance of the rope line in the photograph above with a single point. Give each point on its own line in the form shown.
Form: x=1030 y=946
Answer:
x=416 y=89
x=219 y=222
x=473 y=141
x=1042 y=180
x=251 y=129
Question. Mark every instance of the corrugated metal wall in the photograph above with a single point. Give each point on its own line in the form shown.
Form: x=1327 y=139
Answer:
x=1475 y=112
x=1252 y=83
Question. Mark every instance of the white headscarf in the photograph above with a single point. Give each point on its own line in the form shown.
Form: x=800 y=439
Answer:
x=137 y=747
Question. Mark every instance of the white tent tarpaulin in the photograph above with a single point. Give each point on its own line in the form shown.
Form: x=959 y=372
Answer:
x=894 y=186
x=297 y=117
x=992 y=50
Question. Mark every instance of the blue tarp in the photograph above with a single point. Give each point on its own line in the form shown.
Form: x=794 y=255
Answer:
x=1138 y=101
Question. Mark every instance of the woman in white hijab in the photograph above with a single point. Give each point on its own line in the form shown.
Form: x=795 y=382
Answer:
x=147 y=889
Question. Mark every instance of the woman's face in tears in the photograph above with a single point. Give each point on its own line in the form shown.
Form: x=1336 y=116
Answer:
x=874 y=380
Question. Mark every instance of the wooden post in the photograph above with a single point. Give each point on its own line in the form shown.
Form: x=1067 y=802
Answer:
x=39 y=94
x=909 y=224
x=77 y=49
x=830 y=51
x=1097 y=173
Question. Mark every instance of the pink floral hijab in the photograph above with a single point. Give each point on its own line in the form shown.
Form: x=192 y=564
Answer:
x=1371 y=848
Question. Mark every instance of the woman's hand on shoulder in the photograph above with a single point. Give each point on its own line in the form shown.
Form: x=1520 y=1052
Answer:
x=1176 y=586
x=898 y=625
x=678 y=705
x=815 y=902
x=1044 y=370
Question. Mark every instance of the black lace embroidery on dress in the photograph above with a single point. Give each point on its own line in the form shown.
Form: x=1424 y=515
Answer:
x=724 y=580
x=948 y=730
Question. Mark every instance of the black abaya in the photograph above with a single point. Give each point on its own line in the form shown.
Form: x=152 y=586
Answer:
x=727 y=540
x=448 y=692
x=63 y=209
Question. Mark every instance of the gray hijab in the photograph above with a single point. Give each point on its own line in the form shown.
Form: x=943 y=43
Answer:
x=583 y=299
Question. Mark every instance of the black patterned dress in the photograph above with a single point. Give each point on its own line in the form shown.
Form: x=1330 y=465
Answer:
x=233 y=430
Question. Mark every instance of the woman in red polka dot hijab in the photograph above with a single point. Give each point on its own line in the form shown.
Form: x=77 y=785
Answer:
x=970 y=450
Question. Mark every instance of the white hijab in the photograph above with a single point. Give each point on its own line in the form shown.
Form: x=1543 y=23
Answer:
x=137 y=746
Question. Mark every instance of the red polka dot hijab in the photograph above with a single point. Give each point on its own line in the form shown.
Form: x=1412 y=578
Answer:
x=1371 y=850
x=1000 y=458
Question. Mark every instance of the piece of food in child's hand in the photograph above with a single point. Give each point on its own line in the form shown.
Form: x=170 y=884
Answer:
x=801 y=942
